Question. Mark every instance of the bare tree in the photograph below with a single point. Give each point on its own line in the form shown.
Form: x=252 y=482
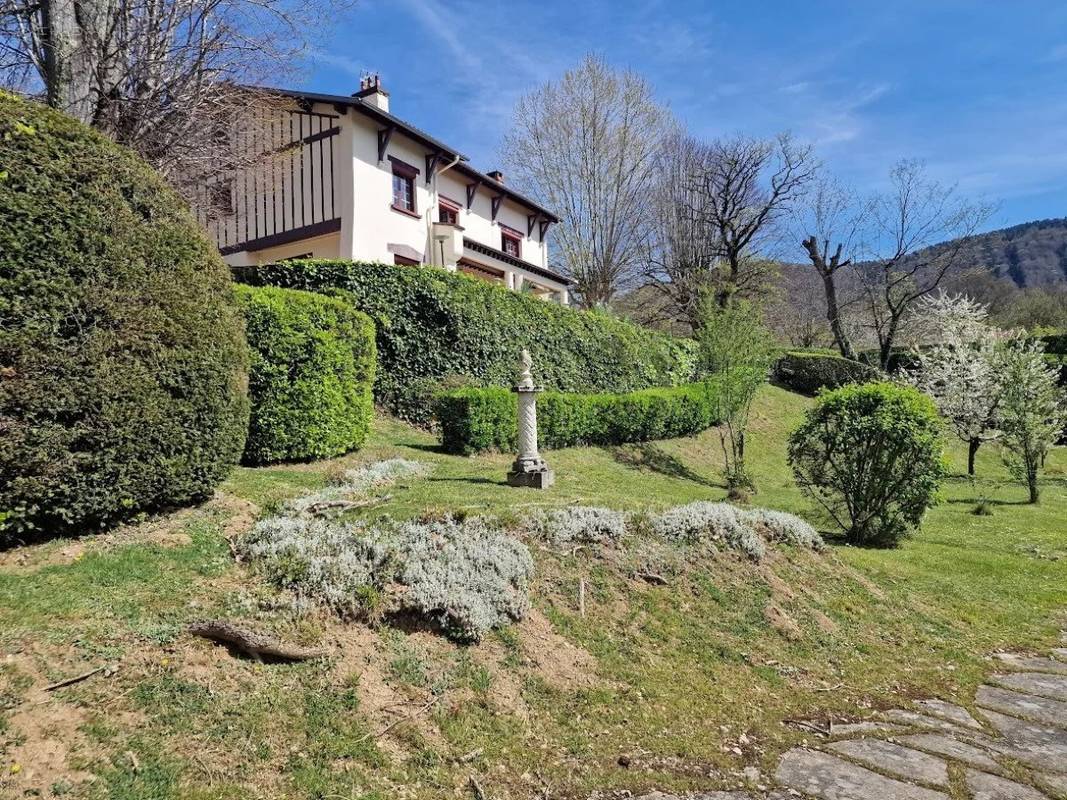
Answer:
x=586 y=145
x=749 y=188
x=684 y=252
x=832 y=222
x=905 y=222
x=161 y=76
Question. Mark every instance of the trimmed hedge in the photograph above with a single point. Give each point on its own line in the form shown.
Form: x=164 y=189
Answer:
x=476 y=420
x=312 y=371
x=432 y=325
x=123 y=365
x=807 y=373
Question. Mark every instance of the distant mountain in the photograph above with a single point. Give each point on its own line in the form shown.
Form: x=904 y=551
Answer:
x=1031 y=254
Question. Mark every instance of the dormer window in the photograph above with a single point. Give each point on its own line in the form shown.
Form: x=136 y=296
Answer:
x=404 y=176
x=511 y=242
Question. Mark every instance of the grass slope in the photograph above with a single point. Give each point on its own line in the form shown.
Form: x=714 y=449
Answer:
x=691 y=681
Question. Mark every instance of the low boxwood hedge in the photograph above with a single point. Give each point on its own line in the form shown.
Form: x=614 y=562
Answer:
x=807 y=372
x=433 y=325
x=312 y=370
x=476 y=420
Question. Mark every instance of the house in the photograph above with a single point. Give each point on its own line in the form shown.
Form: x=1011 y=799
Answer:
x=336 y=176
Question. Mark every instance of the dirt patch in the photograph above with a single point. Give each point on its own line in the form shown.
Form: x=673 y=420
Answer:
x=782 y=622
x=562 y=664
x=43 y=733
x=30 y=558
x=364 y=659
x=778 y=586
x=826 y=625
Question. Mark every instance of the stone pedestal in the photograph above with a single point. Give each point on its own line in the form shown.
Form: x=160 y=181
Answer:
x=529 y=469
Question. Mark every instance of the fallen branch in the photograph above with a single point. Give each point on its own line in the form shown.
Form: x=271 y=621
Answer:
x=653 y=578
x=469 y=757
x=477 y=789
x=414 y=715
x=324 y=507
x=76 y=679
x=809 y=726
x=252 y=644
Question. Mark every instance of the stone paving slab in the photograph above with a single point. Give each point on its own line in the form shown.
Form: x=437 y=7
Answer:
x=950 y=711
x=949 y=747
x=895 y=759
x=830 y=778
x=915 y=720
x=1060 y=653
x=1054 y=686
x=866 y=726
x=1027 y=706
x=1040 y=746
x=1031 y=664
x=1055 y=784
x=984 y=786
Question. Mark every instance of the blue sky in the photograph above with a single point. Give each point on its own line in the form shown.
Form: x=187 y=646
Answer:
x=978 y=90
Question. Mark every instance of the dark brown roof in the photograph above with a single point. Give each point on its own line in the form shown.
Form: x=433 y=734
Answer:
x=423 y=138
x=500 y=255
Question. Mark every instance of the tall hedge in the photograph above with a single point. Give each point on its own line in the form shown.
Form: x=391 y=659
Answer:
x=475 y=420
x=807 y=372
x=311 y=377
x=123 y=367
x=432 y=324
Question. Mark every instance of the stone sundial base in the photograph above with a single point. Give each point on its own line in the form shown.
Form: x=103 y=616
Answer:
x=532 y=474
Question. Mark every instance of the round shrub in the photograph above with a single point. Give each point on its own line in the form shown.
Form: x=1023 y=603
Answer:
x=871 y=456
x=123 y=367
x=311 y=378
x=807 y=373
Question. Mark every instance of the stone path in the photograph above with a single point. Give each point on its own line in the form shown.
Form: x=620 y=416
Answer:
x=1014 y=747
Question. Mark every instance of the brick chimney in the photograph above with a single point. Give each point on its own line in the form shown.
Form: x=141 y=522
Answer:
x=371 y=92
x=496 y=175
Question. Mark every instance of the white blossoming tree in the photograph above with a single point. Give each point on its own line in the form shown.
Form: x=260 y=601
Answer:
x=1033 y=409
x=959 y=368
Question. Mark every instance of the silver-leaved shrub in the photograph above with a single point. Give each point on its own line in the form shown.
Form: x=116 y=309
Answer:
x=725 y=525
x=575 y=525
x=779 y=526
x=335 y=563
x=467 y=575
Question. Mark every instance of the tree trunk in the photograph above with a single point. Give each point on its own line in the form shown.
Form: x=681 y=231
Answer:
x=1031 y=480
x=885 y=350
x=972 y=451
x=68 y=58
x=833 y=315
x=827 y=269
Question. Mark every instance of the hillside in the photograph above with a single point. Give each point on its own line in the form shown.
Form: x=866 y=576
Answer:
x=1030 y=254
x=684 y=682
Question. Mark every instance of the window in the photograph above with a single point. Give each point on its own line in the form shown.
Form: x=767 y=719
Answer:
x=511 y=242
x=449 y=211
x=404 y=187
x=403 y=193
x=404 y=261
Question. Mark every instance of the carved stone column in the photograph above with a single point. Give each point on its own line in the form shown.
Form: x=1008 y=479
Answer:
x=529 y=468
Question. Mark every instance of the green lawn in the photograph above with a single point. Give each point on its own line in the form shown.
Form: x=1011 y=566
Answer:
x=691 y=681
